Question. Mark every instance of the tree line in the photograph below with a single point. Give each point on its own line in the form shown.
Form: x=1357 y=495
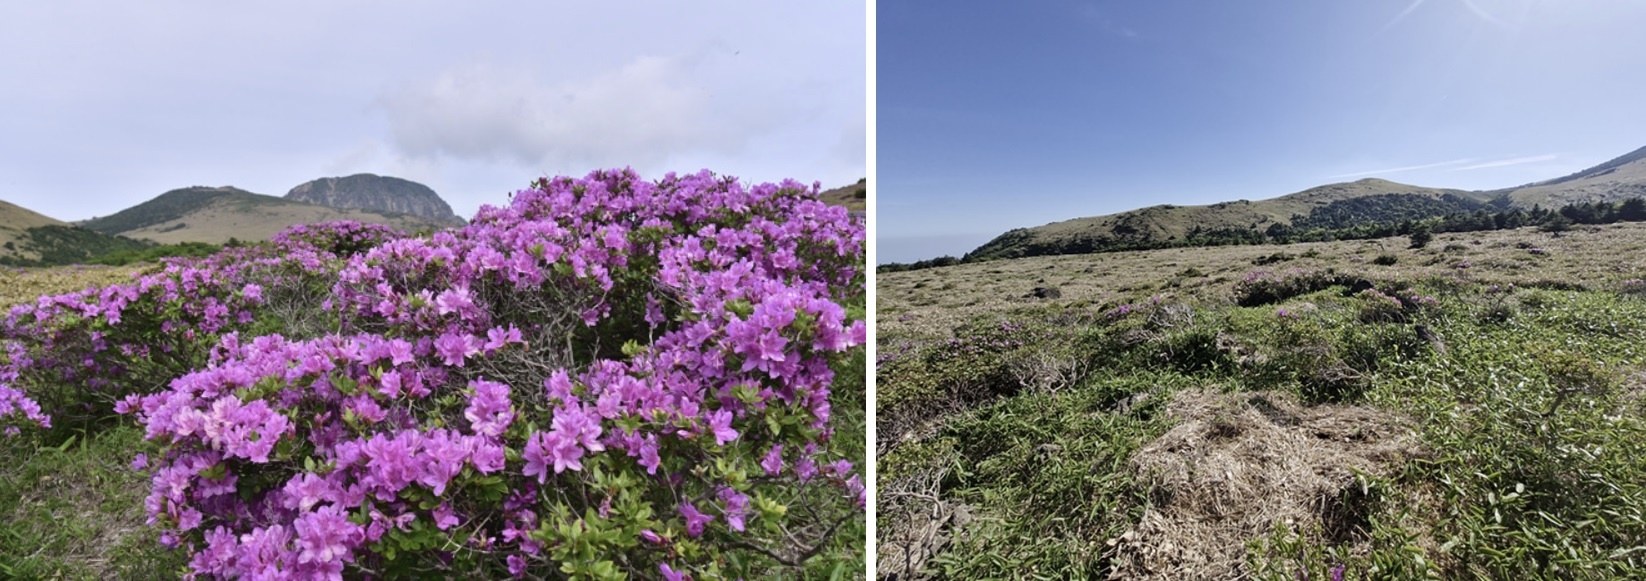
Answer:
x=1019 y=243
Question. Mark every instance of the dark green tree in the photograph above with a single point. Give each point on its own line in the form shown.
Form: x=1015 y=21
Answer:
x=1421 y=235
x=1632 y=210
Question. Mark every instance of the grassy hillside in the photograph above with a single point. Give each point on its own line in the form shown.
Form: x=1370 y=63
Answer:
x=1363 y=200
x=169 y=207
x=1470 y=409
x=62 y=244
x=854 y=197
x=1617 y=179
x=15 y=221
x=215 y=215
x=15 y=218
x=30 y=239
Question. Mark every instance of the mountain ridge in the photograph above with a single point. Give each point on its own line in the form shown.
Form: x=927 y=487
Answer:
x=1329 y=206
x=218 y=214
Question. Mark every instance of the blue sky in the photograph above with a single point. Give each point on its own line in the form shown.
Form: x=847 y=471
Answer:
x=996 y=115
x=108 y=104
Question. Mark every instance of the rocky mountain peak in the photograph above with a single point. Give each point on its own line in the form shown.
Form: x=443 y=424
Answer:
x=376 y=193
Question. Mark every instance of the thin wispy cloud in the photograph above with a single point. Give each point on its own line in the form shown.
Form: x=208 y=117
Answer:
x=1403 y=14
x=1483 y=14
x=1473 y=7
x=1510 y=161
x=1094 y=14
x=1401 y=169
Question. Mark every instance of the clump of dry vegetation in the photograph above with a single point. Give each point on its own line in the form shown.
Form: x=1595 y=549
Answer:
x=1238 y=465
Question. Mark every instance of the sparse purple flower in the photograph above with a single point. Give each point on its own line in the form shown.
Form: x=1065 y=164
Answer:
x=669 y=574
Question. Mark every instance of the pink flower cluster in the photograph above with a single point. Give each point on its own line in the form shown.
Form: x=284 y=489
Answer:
x=129 y=337
x=605 y=353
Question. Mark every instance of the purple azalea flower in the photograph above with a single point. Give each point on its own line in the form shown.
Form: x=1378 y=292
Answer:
x=773 y=462
x=670 y=574
x=720 y=424
x=694 y=520
x=489 y=411
x=325 y=536
x=737 y=506
x=443 y=516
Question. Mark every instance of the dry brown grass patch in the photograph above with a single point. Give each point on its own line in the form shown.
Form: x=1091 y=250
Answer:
x=1240 y=464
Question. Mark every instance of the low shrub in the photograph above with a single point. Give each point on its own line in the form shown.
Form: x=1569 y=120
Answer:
x=1265 y=288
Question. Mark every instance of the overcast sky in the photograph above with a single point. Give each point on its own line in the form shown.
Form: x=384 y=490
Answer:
x=996 y=115
x=108 y=104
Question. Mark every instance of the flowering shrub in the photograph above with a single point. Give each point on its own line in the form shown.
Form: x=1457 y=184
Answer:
x=79 y=352
x=607 y=378
x=1418 y=301
x=1149 y=308
x=343 y=239
x=1261 y=287
x=1376 y=307
x=1634 y=286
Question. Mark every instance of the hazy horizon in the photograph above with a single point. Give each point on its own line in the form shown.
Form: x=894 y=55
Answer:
x=994 y=117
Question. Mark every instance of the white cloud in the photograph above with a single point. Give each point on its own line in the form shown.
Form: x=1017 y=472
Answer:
x=1403 y=14
x=1400 y=169
x=642 y=114
x=1510 y=161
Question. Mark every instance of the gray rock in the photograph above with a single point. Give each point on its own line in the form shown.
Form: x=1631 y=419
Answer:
x=1046 y=292
x=377 y=193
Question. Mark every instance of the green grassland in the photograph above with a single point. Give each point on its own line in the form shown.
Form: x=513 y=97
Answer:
x=1470 y=409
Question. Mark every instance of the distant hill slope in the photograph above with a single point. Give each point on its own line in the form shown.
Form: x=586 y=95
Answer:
x=1333 y=206
x=854 y=197
x=1618 y=179
x=15 y=221
x=376 y=193
x=1326 y=206
x=28 y=238
x=214 y=215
